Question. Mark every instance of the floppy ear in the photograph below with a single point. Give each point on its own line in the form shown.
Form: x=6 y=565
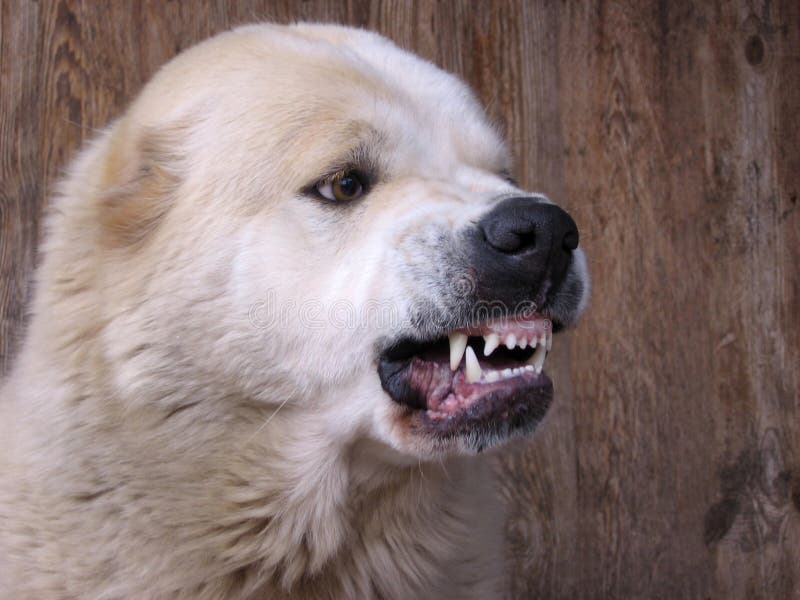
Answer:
x=141 y=172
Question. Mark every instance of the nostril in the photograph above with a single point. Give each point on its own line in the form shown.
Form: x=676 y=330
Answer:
x=509 y=237
x=526 y=240
x=571 y=240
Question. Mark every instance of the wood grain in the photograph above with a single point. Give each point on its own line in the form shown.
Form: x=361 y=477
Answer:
x=670 y=465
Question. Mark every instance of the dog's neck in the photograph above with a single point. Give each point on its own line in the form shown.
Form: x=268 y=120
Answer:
x=261 y=502
x=328 y=504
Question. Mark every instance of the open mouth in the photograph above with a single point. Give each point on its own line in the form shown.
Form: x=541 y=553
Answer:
x=486 y=375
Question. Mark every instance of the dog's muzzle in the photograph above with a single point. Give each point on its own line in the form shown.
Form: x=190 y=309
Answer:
x=481 y=380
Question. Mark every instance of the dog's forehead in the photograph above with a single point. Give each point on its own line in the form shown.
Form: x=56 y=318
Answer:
x=439 y=100
x=292 y=92
x=420 y=81
x=311 y=78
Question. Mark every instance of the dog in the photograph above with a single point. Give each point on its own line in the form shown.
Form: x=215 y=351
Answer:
x=285 y=301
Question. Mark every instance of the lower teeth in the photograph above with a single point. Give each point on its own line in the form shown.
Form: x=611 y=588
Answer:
x=493 y=376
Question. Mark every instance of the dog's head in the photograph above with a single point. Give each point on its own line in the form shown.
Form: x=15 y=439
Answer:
x=310 y=218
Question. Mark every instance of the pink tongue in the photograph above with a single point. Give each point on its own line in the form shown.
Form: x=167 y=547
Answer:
x=519 y=327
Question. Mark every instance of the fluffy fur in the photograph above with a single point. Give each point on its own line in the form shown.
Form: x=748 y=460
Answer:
x=189 y=417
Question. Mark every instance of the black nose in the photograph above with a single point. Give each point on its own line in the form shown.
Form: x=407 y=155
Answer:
x=523 y=247
x=527 y=225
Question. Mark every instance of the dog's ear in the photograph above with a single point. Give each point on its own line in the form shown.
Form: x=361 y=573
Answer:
x=141 y=173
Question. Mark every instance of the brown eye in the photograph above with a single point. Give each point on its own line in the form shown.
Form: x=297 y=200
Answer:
x=342 y=188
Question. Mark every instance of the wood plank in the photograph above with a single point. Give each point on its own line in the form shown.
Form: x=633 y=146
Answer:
x=686 y=368
x=668 y=466
x=20 y=181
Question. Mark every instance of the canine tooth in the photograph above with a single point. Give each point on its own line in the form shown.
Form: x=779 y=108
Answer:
x=543 y=340
x=537 y=360
x=458 y=343
x=529 y=367
x=473 y=368
x=491 y=342
x=491 y=376
x=511 y=341
x=549 y=342
x=523 y=343
x=534 y=341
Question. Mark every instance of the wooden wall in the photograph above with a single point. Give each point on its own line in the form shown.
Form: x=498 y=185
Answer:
x=670 y=464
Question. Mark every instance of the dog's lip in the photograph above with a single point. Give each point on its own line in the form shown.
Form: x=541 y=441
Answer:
x=521 y=326
x=481 y=413
x=495 y=415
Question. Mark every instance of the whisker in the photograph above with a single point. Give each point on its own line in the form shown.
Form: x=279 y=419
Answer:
x=265 y=423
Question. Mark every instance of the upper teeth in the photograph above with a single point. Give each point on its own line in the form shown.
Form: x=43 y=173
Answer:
x=459 y=347
x=490 y=342
x=458 y=343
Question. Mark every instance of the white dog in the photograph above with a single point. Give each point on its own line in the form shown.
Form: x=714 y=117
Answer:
x=284 y=303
